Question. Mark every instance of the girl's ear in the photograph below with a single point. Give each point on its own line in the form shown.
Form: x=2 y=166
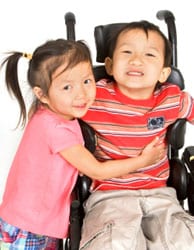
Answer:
x=108 y=65
x=40 y=95
x=164 y=74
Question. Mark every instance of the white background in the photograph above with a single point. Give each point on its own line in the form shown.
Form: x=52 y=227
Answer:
x=26 y=24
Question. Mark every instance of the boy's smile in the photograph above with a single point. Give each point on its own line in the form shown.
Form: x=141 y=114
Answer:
x=137 y=63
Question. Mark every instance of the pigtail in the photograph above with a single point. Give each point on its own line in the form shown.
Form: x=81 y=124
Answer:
x=12 y=83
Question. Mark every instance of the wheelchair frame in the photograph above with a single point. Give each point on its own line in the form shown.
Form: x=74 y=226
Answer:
x=181 y=170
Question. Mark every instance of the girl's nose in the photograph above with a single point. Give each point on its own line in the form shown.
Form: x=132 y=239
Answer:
x=81 y=92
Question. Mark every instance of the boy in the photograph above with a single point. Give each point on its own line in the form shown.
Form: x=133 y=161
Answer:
x=136 y=211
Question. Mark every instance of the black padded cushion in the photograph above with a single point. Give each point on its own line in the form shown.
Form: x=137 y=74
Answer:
x=176 y=77
x=176 y=134
x=178 y=178
x=102 y=34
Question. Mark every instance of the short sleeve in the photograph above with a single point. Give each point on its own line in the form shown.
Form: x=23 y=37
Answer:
x=62 y=135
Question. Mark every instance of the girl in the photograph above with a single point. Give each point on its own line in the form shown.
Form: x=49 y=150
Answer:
x=35 y=208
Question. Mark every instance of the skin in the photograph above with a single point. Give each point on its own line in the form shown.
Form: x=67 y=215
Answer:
x=71 y=93
x=138 y=63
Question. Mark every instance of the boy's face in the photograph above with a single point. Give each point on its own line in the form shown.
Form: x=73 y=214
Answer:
x=137 y=63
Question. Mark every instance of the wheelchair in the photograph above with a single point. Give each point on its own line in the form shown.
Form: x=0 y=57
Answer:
x=181 y=167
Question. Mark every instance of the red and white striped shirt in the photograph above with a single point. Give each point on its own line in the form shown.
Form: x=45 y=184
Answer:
x=125 y=126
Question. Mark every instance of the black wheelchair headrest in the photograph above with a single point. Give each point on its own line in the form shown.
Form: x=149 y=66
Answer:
x=102 y=35
x=176 y=77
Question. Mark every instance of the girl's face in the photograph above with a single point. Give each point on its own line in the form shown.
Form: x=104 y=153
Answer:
x=137 y=63
x=72 y=91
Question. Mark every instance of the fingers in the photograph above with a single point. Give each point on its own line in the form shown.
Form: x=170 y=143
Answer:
x=159 y=150
x=156 y=149
x=152 y=144
x=161 y=153
x=155 y=141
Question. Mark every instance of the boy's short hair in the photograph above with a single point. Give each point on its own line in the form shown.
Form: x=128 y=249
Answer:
x=146 y=27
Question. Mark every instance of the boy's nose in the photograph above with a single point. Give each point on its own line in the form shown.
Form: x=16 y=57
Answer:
x=136 y=60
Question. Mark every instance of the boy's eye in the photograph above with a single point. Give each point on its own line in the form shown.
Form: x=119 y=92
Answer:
x=150 y=54
x=127 y=52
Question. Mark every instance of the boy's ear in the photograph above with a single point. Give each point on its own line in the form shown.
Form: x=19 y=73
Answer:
x=164 y=74
x=40 y=95
x=108 y=65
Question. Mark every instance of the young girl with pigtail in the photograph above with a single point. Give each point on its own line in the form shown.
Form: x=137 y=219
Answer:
x=34 y=212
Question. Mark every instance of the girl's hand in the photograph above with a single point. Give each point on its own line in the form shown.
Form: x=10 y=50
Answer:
x=154 y=151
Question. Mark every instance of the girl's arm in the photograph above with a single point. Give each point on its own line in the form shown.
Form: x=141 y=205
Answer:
x=87 y=164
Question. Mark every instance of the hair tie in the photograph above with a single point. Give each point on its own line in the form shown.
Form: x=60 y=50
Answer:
x=28 y=56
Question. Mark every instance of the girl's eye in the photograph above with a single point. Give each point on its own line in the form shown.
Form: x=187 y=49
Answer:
x=67 y=87
x=87 y=81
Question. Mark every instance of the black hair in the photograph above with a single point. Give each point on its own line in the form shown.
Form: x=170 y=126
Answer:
x=43 y=63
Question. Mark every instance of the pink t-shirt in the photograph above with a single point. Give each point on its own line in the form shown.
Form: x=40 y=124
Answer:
x=38 y=190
